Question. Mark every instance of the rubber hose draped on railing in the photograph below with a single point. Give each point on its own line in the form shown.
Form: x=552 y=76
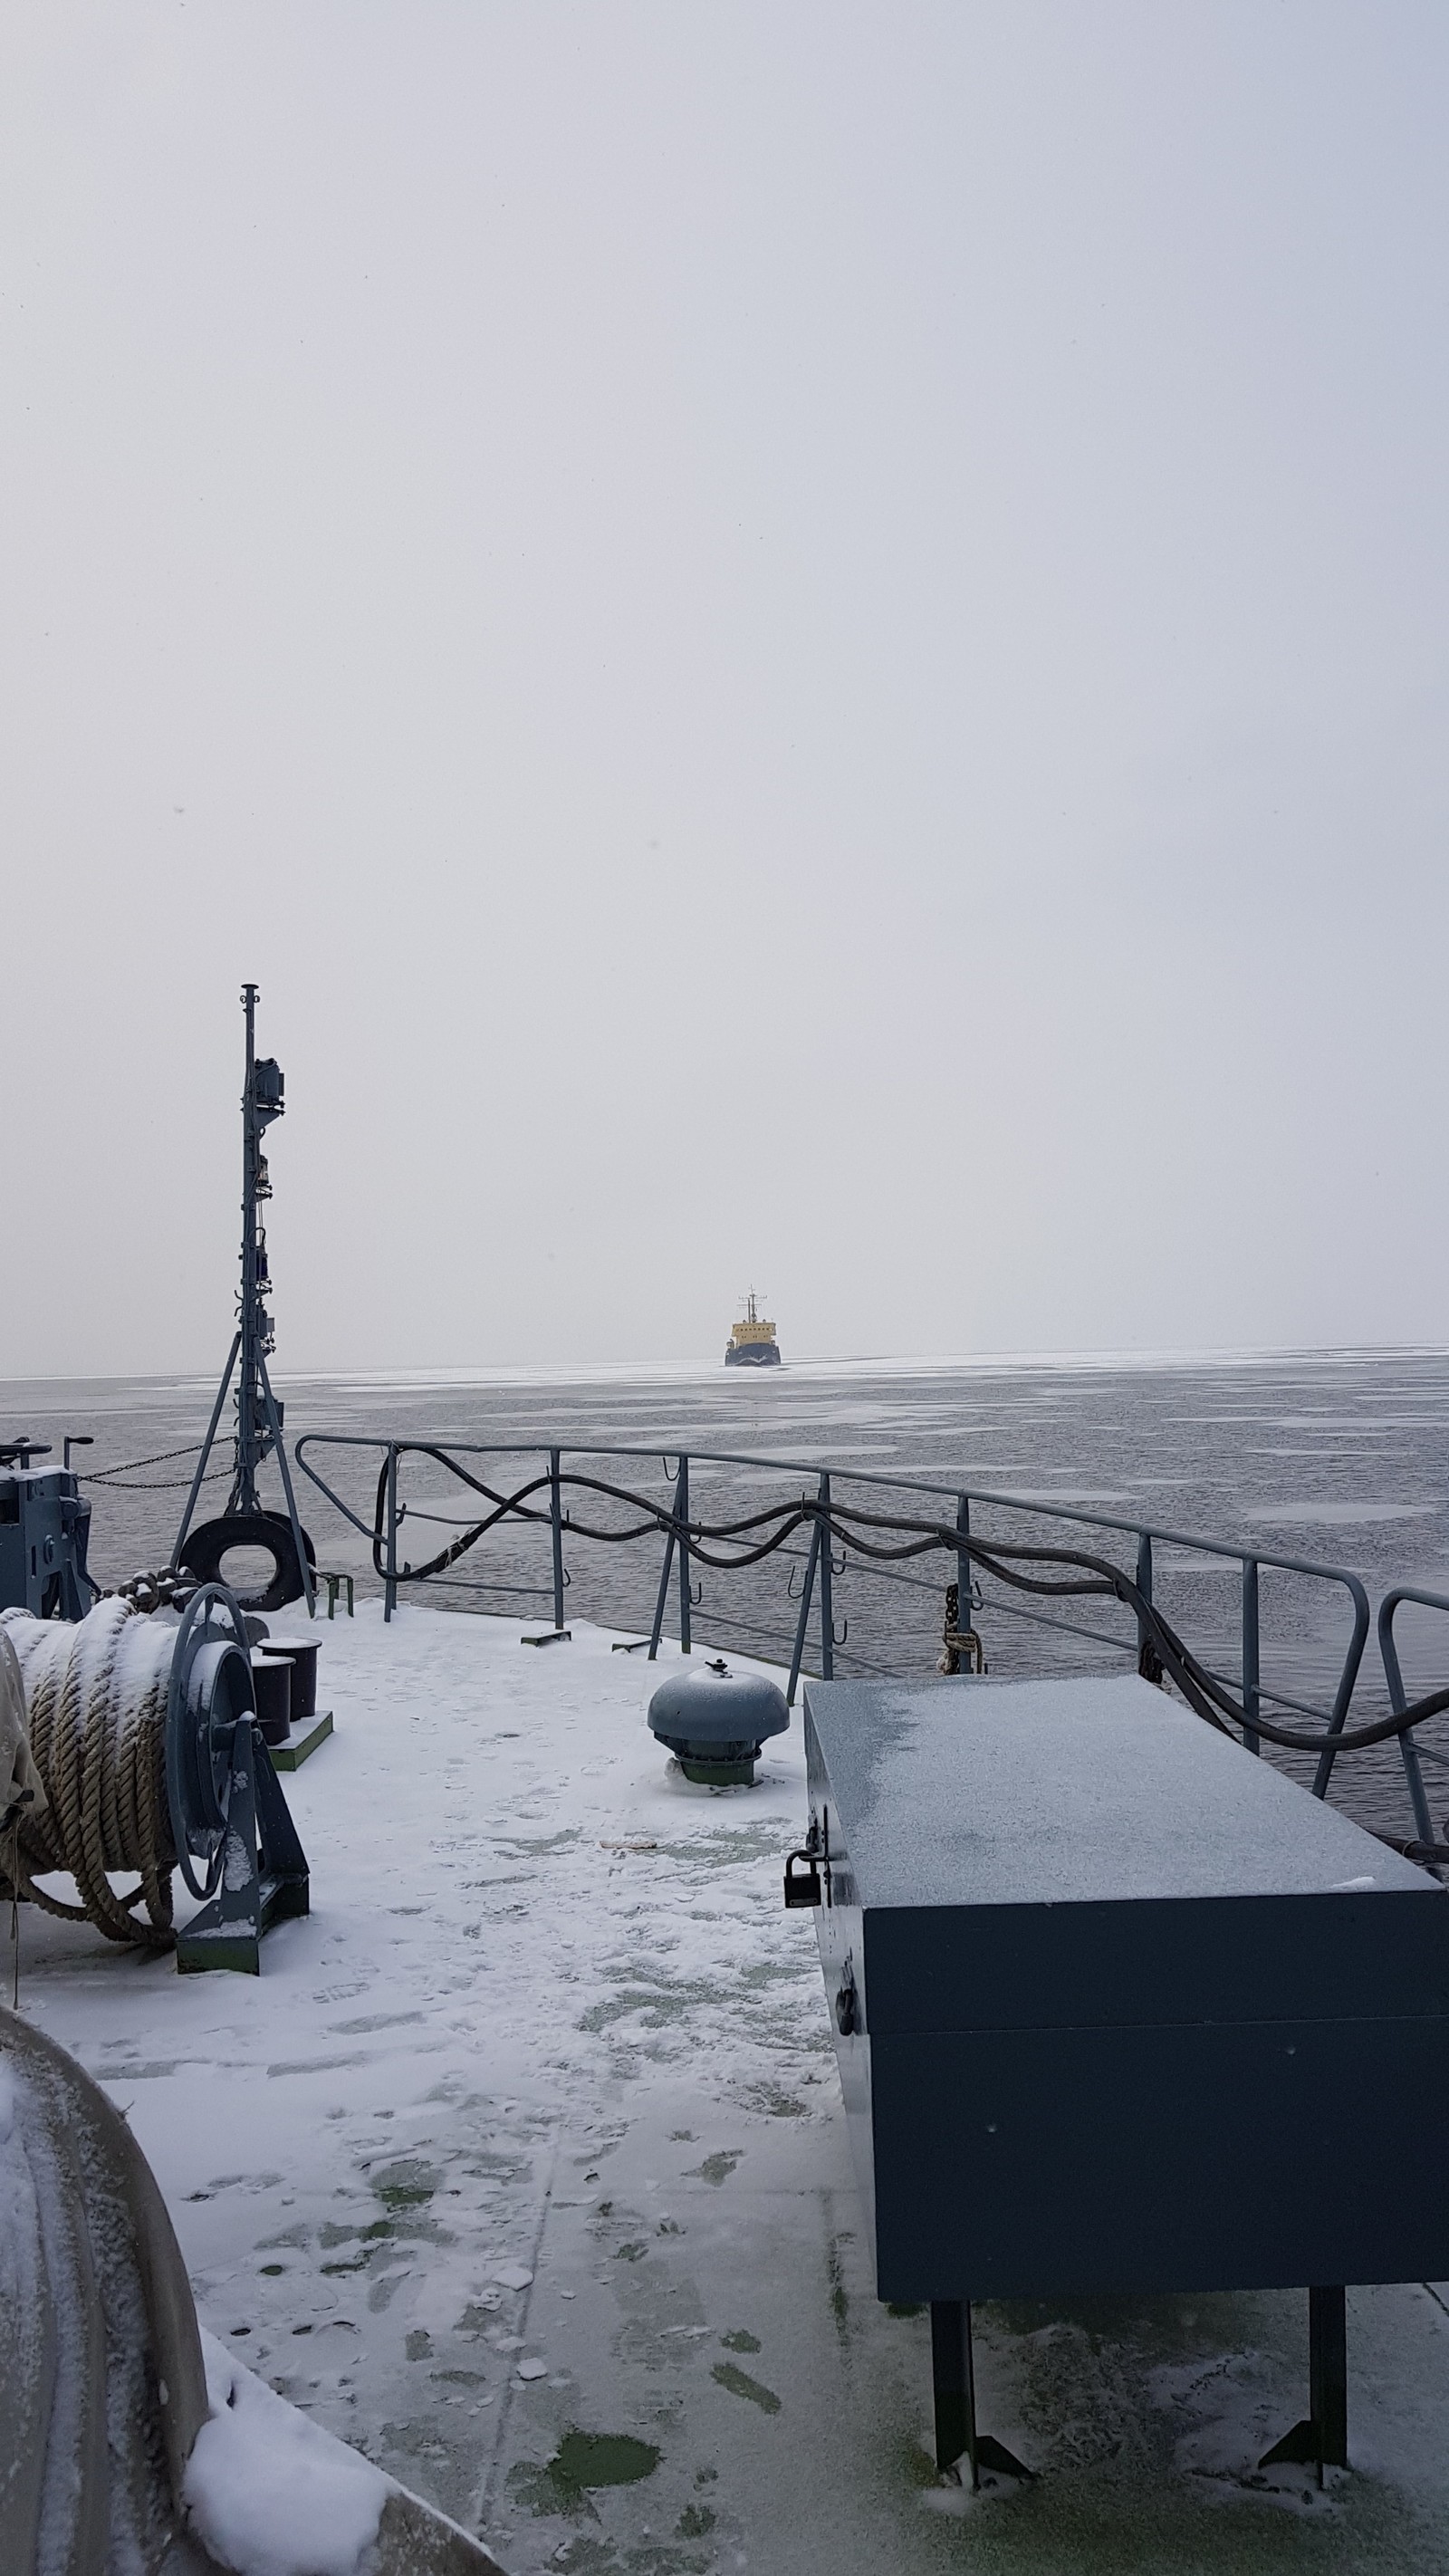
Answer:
x=1081 y=1575
x=96 y=1697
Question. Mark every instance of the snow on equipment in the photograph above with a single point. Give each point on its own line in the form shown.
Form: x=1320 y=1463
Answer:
x=245 y=1523
x=715 y=1721
x=143 y=1733
x=1118 y=2008
x=272 y=1684
x=307 y=1726
x=45 y=1526
x=127 y=2439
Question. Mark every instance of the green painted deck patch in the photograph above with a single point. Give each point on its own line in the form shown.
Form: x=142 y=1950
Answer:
x=537 y=2485
x=408 y=2184
x=605 y=2459
x=740 y=2384
x=582 y=2460
x=740 y=2341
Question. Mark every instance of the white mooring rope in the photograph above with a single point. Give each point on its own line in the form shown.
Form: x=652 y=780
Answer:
x=96 y=1691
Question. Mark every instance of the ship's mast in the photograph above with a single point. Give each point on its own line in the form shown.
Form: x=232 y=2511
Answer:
x=258 y=1414
x=262 y=1101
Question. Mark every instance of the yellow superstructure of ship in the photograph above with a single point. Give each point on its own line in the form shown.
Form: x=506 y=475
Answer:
x=752 y=1343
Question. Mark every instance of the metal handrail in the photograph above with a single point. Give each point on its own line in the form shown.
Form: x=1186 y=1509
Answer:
x=848 y=1475
x=675 y=1523
x=1398 y=1697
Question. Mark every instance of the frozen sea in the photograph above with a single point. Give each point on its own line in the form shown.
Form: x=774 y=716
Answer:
x=1340 y=1458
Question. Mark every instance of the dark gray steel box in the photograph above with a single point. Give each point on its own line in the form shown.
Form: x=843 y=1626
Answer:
x=1133 y=2011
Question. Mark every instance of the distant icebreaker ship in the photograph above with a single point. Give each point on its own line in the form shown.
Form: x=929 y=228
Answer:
x=752 y=1343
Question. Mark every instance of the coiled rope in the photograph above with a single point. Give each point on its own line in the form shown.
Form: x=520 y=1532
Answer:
x=96 y=1692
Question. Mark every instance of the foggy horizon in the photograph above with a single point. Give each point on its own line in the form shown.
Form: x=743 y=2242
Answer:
x=799 y=645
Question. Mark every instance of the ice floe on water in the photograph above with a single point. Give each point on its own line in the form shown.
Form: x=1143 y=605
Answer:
x=522 y=2168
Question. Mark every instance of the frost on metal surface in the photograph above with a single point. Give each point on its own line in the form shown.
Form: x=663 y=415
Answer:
x=523 y=2168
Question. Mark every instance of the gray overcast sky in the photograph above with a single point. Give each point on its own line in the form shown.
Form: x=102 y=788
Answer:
x=798 y=643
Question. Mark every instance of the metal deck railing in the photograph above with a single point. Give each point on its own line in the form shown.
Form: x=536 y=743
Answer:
x=823 y=1520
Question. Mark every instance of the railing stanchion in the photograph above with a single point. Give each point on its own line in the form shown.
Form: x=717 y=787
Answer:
x=807 y=1594
x=681 y=1508
x=964 y=1618
x=827 y=1611
x=1398 y=1702
x=389 y=1589
x=657 y=1630
x=555 y=1507
x=1343 y=1695
x=1250 y=1650
x=1144 y=1586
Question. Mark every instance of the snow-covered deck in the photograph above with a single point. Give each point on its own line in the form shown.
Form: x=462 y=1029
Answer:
x=523 y=2167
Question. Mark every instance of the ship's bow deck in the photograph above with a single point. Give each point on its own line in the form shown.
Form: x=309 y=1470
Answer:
x=523 y=2166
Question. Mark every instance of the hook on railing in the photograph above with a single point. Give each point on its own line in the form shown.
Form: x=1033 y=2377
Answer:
x=840 y=1568
x=790 y=1592
x=696 y=1595
x=839 y=1635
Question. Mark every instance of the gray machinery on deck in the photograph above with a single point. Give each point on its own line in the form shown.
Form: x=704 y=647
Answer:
x=715 y=1722
x=45 y=1526
x=147 y=1756
x=246 y=1523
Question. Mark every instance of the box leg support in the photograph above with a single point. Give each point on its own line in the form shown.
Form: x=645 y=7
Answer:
x=1321 y=2440
x=953 y=2380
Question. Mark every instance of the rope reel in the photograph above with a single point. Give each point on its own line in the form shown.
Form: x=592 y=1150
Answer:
x=141 y=1730
x=209 y=1695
